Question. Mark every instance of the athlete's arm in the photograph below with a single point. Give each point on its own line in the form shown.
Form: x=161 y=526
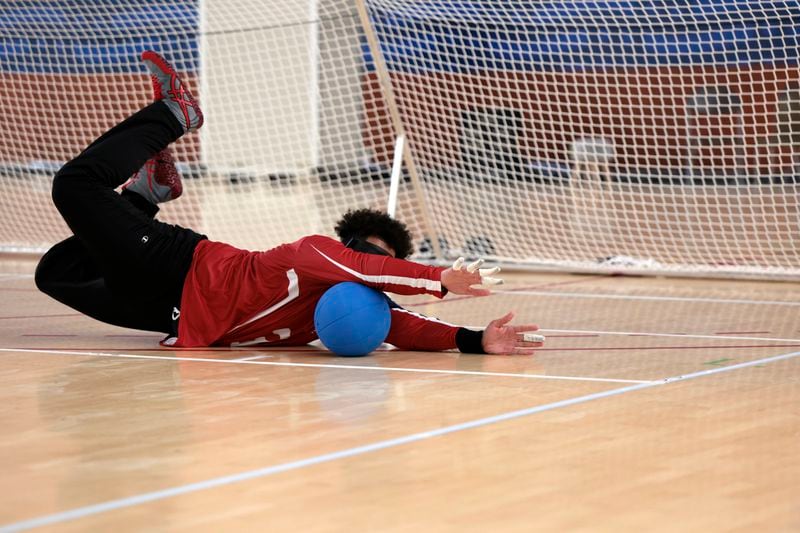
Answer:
x=329 y=260
x=413 y=331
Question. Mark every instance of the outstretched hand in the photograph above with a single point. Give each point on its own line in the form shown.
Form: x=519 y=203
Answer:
x=500 y=338
x=459 y=280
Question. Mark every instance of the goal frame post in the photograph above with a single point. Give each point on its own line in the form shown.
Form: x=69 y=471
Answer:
x=385 y=83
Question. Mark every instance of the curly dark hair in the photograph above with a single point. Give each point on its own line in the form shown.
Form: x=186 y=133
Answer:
x=364 y=223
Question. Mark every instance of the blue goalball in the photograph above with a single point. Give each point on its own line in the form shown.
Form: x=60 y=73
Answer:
x=352 y=319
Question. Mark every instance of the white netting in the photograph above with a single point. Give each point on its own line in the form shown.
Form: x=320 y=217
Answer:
x=660 y=136
x=287 y=145
x=655 y=135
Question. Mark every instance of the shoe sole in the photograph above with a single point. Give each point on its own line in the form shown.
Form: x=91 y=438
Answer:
x=162 y=159
x=158 y=161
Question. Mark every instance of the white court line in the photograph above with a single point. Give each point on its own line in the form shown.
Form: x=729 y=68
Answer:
x=89 y=510
x=12 y=277
x=322 y=365
x=681 y=335
x=645 y=297
x=253 y=358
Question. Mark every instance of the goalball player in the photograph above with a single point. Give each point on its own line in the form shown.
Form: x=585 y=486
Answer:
x=125 y=268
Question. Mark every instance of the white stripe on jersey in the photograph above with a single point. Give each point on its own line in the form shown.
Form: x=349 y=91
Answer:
x=428 y=284
x=292 y=293
x=428 y=318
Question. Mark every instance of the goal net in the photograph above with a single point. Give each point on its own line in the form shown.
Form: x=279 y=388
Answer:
x=579 y=135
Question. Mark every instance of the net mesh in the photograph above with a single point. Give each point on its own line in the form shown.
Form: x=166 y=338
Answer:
x=602 y=135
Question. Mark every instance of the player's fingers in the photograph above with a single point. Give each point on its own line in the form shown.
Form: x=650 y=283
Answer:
x=503 y=320
x=472 y=267
x=529 y=337
x=524 y=351
x=488 y=271
x=458 y=263
x=491 y=281
x=526 y=344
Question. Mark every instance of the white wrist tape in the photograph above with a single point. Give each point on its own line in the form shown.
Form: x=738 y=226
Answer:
x=532 y=337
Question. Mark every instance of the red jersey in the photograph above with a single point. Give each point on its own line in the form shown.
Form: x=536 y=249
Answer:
x=233 y=297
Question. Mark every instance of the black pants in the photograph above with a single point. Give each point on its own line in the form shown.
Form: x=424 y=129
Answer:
x=121 y=266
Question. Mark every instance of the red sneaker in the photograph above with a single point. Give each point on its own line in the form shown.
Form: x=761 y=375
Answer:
x=158 y=180
x=168 y=87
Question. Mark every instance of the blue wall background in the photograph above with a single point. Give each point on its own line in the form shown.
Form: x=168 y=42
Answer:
x=95 y=36
x=457 y=36
x=104 y=36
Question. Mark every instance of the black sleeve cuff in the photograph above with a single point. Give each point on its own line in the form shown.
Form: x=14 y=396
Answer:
x=469 y=341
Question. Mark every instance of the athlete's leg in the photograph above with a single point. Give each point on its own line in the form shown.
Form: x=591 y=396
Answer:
x=68 y=274
x=138 y=255
x=142 y=260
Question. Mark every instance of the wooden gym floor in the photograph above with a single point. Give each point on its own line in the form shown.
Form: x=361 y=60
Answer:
x=656 y=404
